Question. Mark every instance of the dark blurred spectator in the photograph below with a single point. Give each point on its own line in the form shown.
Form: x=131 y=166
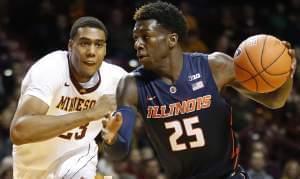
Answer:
x=291 y=170
x=186 y=9
x=193 y=43
x=257 y=166
x=224 y=44
x=147 y=153
x=278 y=20
x=135 y=166
x=41 y=33
x=120 y=38
x=106 y=167
x=151 y=169
x=62 y=31
x=77 y=9
x=249 y=22
x=120 y=168
x=293 y=28
x=6 y=168
x=259 y=129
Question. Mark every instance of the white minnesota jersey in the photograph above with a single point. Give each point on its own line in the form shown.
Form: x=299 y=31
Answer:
x=74 y=153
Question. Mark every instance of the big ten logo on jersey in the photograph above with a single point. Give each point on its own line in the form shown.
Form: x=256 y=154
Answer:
x=70 y=104
x=194 y=77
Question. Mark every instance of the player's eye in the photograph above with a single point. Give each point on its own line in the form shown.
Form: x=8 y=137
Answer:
x=84 y=44
x=135 y=38
x=99 y=45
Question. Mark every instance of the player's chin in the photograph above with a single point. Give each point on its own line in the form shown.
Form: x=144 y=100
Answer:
x=147 y=66
x=147 y=63
x=89 y=72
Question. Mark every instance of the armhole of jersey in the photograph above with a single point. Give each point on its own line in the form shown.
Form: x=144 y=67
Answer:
x=206 y=67
x=139 y=95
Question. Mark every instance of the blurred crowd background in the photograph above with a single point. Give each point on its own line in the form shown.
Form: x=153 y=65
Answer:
x=270 y=139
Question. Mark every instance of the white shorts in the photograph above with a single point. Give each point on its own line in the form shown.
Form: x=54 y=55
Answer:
x=80 y=166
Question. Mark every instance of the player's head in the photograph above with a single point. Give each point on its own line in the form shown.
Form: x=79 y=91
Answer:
x=87 y=47
x=159 y=28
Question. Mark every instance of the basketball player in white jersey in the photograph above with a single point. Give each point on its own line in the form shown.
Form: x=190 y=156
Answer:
x=63 y=98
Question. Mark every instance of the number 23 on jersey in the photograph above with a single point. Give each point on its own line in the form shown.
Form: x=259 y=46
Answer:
x=77 y=135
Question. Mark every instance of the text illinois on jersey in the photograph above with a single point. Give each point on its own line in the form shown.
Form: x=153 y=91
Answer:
x=69 y=104
x=182 y=107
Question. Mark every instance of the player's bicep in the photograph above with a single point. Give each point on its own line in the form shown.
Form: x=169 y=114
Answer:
x=30 y=105
x=222 y=69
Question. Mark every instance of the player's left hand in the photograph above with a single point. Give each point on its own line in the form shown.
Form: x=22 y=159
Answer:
x=292 y=53
x=111 y=126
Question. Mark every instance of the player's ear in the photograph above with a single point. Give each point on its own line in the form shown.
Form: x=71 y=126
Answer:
x=172 y=40
x=70 y=45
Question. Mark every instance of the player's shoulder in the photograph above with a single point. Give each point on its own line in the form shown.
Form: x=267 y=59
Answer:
x=112 y=69
x=222 y=68
x=219 y=57
x=53 y=61
x=48 y=71
x=219 y=60
x=195 y=55
x=128 y=84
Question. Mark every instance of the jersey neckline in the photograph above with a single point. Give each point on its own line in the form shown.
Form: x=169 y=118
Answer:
x=77 y=85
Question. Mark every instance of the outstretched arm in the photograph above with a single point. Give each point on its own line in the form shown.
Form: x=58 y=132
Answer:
x=32 y=124
x=119 y=128
x=223 y=71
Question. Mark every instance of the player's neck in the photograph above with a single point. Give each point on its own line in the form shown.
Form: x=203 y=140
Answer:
x=92 y=81
x=172 y=68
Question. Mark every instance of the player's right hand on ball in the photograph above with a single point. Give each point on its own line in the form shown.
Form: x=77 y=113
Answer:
x=292 y=53
x=111 y=126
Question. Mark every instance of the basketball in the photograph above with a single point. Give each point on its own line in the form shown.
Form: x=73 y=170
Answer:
x=262 y=63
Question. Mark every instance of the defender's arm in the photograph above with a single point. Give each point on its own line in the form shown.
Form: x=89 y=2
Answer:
x=127 y=100
x=31 y=124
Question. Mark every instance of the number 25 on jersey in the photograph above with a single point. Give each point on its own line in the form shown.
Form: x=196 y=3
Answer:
x=189 y=130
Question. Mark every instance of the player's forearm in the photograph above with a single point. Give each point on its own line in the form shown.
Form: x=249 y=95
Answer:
x=277 y=98
x=34 y=128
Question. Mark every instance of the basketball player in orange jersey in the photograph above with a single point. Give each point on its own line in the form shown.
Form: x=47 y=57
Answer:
x=64 y=96
x=178 y=97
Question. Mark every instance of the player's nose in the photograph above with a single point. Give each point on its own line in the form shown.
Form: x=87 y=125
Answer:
x=91 y=52
x=139 y=44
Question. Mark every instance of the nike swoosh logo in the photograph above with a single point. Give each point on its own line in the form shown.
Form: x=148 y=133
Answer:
x=151 y=98
x=66 y=84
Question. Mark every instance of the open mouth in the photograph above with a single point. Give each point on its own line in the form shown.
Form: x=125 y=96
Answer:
x=142 y=57
x=89 y=63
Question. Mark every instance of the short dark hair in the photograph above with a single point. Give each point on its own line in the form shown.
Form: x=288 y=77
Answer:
x=166 y=14
x=87 y=21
